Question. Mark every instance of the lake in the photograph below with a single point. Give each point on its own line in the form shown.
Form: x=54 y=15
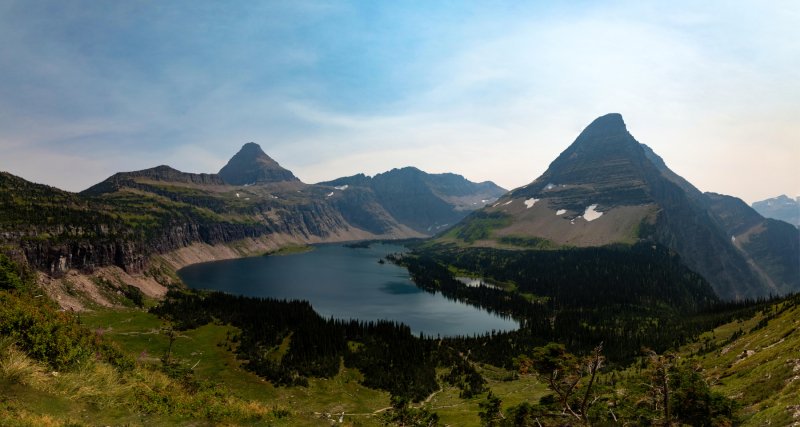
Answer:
x=346 y=283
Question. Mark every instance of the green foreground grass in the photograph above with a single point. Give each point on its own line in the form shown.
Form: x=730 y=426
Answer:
x=44 y=398
x=209 y=351
x=756 y=362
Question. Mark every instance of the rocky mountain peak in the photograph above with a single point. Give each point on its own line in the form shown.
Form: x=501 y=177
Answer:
x=251 y=165
x=605 y=165
x=605 y=135
x=609 y=124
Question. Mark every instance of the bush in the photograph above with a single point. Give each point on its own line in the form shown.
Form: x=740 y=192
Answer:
x=9 y=276
x=42 y=331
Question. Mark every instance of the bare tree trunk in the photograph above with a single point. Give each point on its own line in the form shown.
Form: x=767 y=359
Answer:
x=596 y=362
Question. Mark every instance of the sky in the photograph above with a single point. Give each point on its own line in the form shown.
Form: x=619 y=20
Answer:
x=492 y=90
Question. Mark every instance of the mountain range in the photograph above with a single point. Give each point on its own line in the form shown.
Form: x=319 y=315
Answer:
x=606 y=189
x=130 y=216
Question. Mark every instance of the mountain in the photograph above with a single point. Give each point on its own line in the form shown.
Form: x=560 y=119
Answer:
x=425 y=202
x=253 y=205
x=252 y=166
x=607 y=188
x=782 y=207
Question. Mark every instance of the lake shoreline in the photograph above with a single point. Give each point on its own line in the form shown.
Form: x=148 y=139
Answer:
x=347 y=283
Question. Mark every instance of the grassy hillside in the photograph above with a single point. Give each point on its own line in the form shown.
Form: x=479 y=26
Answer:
x=756 y=362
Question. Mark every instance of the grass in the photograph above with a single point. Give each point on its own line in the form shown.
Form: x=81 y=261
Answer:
x=759 y=369
x=456 y=411
x=96 y=393
x=528 y=242
x=478 y=226
x=755 y=362
x=208 y=349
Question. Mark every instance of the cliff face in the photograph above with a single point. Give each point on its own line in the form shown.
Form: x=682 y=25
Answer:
x=56 y=258
x=74 y=249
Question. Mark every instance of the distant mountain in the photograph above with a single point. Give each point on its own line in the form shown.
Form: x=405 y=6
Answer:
x=782 y=207
x=425 y=202
x=607 y=188
x=252 y=166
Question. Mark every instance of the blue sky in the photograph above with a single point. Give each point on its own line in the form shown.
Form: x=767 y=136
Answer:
x=491 y=90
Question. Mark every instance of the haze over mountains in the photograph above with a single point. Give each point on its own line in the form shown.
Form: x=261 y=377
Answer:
x=425 y=202
x=607 y=188
x=604 y=189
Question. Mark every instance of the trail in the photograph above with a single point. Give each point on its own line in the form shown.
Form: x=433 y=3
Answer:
x=428 y=399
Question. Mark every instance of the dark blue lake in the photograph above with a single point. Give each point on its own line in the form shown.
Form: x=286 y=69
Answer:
x=346 y=283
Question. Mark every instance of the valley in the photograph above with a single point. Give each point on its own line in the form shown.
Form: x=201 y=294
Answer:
x=607 y=272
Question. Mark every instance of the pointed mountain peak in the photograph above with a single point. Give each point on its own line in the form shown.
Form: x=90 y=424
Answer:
x=606 y=141
x=611 y=122
x=604 y=130
x=251 y=148
x=604 y=164
x=251 y=165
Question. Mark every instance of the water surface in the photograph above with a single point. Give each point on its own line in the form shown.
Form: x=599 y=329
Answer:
x=346 y=283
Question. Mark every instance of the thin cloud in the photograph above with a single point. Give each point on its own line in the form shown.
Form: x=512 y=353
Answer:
x=490 y=92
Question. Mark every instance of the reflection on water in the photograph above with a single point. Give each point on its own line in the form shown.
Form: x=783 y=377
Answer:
x=346 y=283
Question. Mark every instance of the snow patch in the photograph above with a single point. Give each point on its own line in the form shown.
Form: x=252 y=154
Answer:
x=237 y=194
x=549 y=186
x=561 y=212
x=329 y=194
x=733 y=239
x=341 y=187
x=508 y=202
x=530 y=202
x=591 y=214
